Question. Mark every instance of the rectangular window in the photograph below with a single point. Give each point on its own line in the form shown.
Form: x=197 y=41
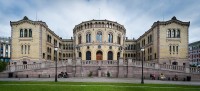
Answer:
x=44 y=55
x=30 y=32
x=172 y=34
x=177 y=49
x=25 y=49
x=22 y=49
x=170 y=49
x=173 y=49
x=28 y=49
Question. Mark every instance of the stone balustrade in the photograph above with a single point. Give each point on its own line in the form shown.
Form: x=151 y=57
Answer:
x=128 y=63
x=98 y=62
x=172 y=67
x=27 y=67
x=194 y=70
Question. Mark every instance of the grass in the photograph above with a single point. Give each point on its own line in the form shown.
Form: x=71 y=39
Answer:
x=91 y=86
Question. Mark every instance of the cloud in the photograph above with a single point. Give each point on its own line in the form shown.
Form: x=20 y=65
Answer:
x=137 y=16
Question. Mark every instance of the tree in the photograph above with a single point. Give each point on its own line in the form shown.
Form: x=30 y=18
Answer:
x=2 y=65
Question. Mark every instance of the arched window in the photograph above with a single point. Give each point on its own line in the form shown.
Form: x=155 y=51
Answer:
x=88 y=55
x=178 y=33
x=21 y=32
x=174 y=63
x=25 y=49
x=79 y=39
x=25 y=33
x=30 y=32
x=67 y=55
x=22 y=49
x=63 y=46
x=174 y=36
x=28 y=49
x=88 y=38
x=24 y=62
x=118 y=39
x=99 y=36
x=72 y=47
x=110 y=55
x=169 y=33
x=63 y=55
x=128 y=55
x=110 y=38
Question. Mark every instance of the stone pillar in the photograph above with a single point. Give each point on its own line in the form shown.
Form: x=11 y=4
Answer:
x=43 y=64
x=157 y=66
x=70 y=68
x=99 y=72
x=120 y=68
x=187 y=68
x=78 y=67
x=130 y=61
x=130 y=68
x=69 y=62
x=12 y=68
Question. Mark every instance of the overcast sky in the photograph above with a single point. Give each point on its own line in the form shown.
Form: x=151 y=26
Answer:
x=136 y=15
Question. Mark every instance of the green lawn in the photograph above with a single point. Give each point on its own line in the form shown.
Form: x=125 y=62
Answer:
x=90 y=86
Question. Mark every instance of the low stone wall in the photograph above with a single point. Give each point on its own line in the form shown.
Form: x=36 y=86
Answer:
x=84 y=71
x=84 y=68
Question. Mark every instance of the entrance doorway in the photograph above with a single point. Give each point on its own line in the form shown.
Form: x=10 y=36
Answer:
x=99 y=55
x=24 y=63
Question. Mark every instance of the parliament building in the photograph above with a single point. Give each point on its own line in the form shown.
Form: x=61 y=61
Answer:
x=166 y=42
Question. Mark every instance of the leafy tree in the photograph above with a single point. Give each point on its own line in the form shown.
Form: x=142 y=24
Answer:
x=2 y=65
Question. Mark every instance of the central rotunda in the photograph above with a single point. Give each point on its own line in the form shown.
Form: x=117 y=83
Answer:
x=99 y=40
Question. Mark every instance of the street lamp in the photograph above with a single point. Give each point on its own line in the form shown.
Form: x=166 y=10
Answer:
x=120 y=52
x=142 y=79
x=56 y=49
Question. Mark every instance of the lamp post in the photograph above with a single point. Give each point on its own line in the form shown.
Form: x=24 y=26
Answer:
x=142 y=79
x=56 y=49
x=120 y=56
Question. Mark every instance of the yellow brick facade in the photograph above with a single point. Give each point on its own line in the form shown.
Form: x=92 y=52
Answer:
x=161 y=42
x=101 y=40
x=105 y=27
x=32 y=49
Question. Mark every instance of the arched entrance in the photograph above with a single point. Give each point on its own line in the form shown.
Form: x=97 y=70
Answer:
x=174 y=63
x=24 y=62
x=99 y=55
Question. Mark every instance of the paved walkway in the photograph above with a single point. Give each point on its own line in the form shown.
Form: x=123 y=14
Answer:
x=96 y=79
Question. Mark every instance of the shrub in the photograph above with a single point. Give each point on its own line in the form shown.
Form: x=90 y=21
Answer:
x=2 y=65
x=90 y=74
x=108 y=74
